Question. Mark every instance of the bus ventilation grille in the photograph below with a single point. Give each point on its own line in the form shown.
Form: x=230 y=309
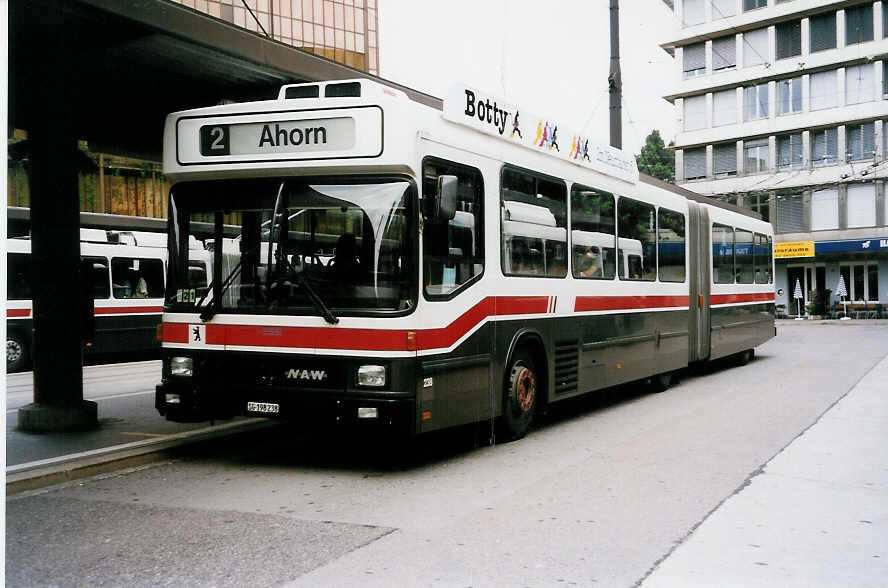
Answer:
x=567 y=361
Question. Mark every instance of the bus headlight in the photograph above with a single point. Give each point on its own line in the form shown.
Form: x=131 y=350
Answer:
x=371 y=375
x=181 y=366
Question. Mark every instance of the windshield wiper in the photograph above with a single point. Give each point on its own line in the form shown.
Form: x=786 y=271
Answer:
x=316 y=300
x=211 y=309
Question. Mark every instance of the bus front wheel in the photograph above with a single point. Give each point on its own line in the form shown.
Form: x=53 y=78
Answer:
x=521 y=394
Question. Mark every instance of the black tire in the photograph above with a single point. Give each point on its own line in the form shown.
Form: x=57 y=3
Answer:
x=17 y=357
x=744 y=357
x=660 y=382
x=522 y=388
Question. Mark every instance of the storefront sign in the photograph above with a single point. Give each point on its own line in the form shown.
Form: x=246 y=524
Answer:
x=794 y=249
x=879 y=244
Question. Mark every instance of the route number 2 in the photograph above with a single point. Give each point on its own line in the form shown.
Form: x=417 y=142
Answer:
x=214 y=140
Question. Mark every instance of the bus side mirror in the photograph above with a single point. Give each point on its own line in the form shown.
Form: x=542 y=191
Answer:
x=442 y=207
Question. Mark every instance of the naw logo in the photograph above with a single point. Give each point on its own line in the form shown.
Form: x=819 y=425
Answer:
x=311 y=375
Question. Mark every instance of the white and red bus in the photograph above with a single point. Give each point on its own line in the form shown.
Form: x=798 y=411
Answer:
x=386 y=261
x=127 y=271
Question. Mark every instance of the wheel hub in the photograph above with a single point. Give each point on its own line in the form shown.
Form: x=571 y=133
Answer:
x=13 y=351
x=523 y=387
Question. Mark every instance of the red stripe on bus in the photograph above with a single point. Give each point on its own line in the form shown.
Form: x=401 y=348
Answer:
x=585 y=303
x=734 y=298
x=175 y=333
x=361 y=339
x=127 y=309
x=18 y=312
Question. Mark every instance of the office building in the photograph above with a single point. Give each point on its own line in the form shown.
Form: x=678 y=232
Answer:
x=782 y=108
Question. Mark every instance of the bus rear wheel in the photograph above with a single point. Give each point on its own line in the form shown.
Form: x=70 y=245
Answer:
x=16 y=353
x=744 y=357
x=661 y=382
x=521 y=395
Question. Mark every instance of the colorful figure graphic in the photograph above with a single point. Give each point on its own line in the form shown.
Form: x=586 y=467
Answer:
x=539 y=133
x=553 y=142
x=573 y=146
x=515 y=128
x=545 y=139
x=586 y=151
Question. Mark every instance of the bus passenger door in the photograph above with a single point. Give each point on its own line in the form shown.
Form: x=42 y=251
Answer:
x=701 y=251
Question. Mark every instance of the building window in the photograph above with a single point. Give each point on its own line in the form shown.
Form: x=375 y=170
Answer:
x=859 y=83
x=789 y=151
x=825 y=147
x=885 y=75
x=825 y=209
x=823 y=90
x=823 y=31
x=755 y=47
x=755 y=102
x=753 y=4
x=861 y=205
x=693 y=12
x=861 y=141
x=694 y=112
x=695 y=163
x=724 y=53
x=694 y=59
x=858 y=24
x=789 y=39
x=724 y=108
x=758 y=202
x=723 y=8
x=724 y=160
x=789 y=95
x=755 y=156
x=790 y=215
x=861 y=281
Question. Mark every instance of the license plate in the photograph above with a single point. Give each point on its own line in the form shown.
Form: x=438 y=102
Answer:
x=264 y=407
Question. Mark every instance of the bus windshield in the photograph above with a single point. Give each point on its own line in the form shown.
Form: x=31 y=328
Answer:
x=319 y=246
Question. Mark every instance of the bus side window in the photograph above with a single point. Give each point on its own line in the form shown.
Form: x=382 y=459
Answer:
x=137 y=278
x=453 y=252
x=637 y=239
x=534 y=213
x=18 y=276
x=592 y=233
x=722 y=254
x=99 y=277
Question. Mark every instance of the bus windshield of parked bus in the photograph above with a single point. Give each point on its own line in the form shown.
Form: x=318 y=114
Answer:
x=295 y=246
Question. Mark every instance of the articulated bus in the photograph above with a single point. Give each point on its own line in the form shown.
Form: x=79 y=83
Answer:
x=127 y=275
x=385 y=261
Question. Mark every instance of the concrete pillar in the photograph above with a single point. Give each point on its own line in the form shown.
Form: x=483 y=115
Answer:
x=55 y=242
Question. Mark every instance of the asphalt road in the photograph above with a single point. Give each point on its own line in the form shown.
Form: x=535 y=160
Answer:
x=600 y=491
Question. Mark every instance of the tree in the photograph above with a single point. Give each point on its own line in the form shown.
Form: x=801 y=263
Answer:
x=655 y=160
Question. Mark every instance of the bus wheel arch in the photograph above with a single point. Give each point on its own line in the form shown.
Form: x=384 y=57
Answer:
x=525 y=382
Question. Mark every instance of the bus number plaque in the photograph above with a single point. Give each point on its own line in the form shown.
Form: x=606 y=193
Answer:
x=215 y=140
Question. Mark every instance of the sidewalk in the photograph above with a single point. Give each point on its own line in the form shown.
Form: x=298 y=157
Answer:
x=815 y=515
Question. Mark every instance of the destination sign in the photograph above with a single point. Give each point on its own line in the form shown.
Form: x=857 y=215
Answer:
x=509 y=122
x=280 y=136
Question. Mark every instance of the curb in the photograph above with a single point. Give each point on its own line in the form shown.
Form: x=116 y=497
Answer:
x=46 y=472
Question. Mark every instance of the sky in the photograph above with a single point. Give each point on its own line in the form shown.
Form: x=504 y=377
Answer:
x=549 y=56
